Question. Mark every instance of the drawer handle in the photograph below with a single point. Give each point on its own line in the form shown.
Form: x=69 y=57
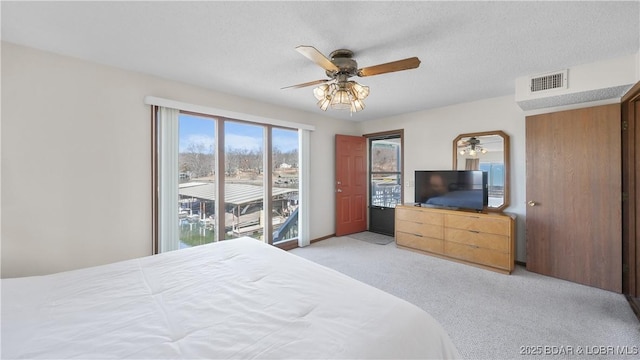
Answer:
x=474 y=231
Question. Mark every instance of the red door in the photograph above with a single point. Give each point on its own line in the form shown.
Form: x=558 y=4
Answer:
x=351 y=184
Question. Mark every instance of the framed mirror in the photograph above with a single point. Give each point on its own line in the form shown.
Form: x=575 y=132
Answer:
x=487 y=151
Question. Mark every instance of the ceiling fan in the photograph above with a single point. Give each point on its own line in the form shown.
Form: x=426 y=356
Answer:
x=338 y=91
x=471 y=146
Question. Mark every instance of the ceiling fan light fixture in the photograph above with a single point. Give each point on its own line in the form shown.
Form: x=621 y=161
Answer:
x=321 y=92
x=360 y=91
x=323 y=104
x=343 y=95
x=473 y=147
x=341 y=100
x=357 y=105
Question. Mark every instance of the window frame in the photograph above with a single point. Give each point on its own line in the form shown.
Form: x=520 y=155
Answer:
x=220 y=122
x=391 y=134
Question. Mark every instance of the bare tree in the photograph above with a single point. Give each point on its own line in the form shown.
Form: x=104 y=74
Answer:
x=198 y=160
x=384 y=158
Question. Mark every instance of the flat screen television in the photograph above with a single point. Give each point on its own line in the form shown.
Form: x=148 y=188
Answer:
x=452 y=189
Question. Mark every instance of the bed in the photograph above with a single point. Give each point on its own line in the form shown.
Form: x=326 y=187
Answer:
x=238 y=298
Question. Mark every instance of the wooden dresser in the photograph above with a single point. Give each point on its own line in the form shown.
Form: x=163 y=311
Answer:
x=485 y=240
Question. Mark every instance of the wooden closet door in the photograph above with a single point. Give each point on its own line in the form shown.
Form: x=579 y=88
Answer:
x=574 y=219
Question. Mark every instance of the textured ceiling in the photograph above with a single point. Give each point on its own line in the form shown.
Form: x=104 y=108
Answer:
x=469 y=50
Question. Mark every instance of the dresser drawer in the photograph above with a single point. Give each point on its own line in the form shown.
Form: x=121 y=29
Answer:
x=478 y=255
x=419 y=216
x=483 y=240
x=486 y=224
x=428 y=230
x=419 y=242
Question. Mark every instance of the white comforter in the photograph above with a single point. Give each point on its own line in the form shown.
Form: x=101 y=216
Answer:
x=233 y=299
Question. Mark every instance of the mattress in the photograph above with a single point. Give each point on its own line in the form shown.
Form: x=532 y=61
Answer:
x=238 y=298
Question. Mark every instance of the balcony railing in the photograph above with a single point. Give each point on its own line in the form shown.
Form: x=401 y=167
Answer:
x=288 y=229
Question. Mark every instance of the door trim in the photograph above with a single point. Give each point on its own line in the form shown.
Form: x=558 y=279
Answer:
x=630 y=186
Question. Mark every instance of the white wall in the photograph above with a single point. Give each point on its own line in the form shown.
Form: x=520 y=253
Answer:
x=428 y=144
x=76 y=160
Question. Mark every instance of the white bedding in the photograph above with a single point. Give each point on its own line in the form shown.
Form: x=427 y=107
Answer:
x=233 y=299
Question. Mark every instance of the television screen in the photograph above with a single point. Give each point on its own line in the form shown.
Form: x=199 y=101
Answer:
x=452 y=189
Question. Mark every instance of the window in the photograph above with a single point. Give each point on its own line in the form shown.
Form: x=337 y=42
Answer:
x=285 y=183
x=495 y=179
x=244 y=180
x=256 y=166
x=196 y=184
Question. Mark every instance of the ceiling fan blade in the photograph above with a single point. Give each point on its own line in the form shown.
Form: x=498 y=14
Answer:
x=316 y=56
x=310 y=83
x=406 y=64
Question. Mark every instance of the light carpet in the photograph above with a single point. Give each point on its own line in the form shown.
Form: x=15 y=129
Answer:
x=490 y=315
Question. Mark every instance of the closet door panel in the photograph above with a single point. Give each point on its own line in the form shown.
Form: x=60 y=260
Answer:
x=574 y=219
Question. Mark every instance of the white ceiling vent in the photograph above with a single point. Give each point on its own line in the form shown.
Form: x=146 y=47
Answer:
x=556 y=80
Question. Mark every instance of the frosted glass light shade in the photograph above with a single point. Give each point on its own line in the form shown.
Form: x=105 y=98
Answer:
x=321 y=91
x=323 y=104
x=357 y=105
x=360 y=91
x=341 y=100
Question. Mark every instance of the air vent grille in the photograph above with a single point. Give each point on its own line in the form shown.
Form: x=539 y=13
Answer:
x=549 y=81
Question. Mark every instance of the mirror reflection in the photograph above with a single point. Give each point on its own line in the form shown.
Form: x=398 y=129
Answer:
x=486 y=151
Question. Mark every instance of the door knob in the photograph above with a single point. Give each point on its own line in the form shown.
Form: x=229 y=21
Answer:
x=339 y=190
x=531 y=203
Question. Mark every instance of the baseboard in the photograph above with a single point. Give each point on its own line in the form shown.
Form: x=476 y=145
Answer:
x=292 y=244
x=287 y=245
x=635 y=305
x=323 y=238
